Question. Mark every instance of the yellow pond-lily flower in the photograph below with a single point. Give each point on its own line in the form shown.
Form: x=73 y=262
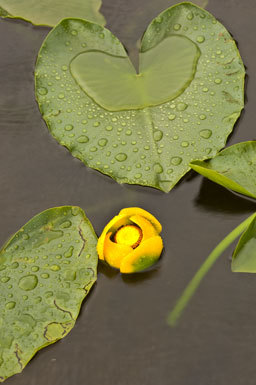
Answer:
x=130 y=241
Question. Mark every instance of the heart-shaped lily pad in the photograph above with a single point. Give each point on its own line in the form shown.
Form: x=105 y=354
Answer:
x=233 y=168
x=46 y=270
x=50 y=12
x=142 y=128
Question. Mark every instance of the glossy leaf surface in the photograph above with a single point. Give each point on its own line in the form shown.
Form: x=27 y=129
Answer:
x=147 y=145
x=50 y=12
x=46 y=270
x=244 y=257
x=233 y=168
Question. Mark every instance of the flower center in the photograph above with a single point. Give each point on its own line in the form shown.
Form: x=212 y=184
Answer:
x=129 y=235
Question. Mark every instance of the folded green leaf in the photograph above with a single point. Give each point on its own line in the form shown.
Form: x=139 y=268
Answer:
x=50 y=12
x=46 y=270
x=233 y=168
x=244 y=257
x=142 y=128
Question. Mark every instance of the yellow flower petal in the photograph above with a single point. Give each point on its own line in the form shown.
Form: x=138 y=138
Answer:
x=114 y=252
x=129 y=235
x=148 y=230
x=145 y=255
x=138 y=211
x=113 y=225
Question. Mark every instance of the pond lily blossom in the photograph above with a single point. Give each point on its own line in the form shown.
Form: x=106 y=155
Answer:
x=131 y=242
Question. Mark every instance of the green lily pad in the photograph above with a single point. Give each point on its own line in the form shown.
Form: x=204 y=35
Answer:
x=46 y=270
x=142 y=128
x=233 y=168
x=244 y=257
x=50 y=12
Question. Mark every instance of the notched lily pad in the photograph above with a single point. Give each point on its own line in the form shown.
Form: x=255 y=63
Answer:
x=46 y=270
x=244 y=257
x=142 y=128
x=233 y=168
x=50 y=12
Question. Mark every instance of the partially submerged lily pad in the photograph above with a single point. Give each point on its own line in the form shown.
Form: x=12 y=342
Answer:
x=142 y=128
x=233 y=168
x=50 y=12
x=46 y=270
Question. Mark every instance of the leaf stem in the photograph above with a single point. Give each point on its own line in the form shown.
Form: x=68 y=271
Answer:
x=187 y=294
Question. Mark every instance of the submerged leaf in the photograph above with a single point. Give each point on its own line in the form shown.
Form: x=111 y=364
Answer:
x=244 y=257
x=50 y=12
x=142 y=128
x=46 y=270
x=233 y=168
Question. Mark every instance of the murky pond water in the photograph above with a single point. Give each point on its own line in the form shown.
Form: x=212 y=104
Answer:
x=121 y=336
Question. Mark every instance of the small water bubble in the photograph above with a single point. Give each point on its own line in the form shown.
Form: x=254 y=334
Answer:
x=218 y=81
x=109 y=128
x=14 y=265
x=200 y=39
x=102 y=142
x=43 y=91
x=206 y=134
x=69 y=127
x=74 y=32
x=66 y=224
x=5 y=279
x=202 y=117
x=158 y=168
x=10 y=305
x=121 y=157
x=64 y=68
x=101 y=35
x=184 y=144
x=38 y=299
x=190 y=16
x=177 y=27
x=171 y=116
x=45 y=275
x=182 y=106
x=158 y=135
x=137 y=176
x=83 y=139
x=176 y=160
x=28 y=282
x=69 y=253
x=34 y=268
x=55 y=267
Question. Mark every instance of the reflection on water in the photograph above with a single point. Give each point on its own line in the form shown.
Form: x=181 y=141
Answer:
x=213 y=197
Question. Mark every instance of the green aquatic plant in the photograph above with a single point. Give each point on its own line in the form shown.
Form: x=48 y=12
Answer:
x=146 y=127
x=50 y=12
x=233 y=168
x=46 y=270
x=244 y=260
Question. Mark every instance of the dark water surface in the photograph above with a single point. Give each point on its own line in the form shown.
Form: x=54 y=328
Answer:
x=121 y=336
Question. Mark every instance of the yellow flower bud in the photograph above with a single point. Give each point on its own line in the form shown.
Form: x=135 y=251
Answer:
x=130 y=241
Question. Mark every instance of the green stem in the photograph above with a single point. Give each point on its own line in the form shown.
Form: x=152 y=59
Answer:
x=203 y=270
